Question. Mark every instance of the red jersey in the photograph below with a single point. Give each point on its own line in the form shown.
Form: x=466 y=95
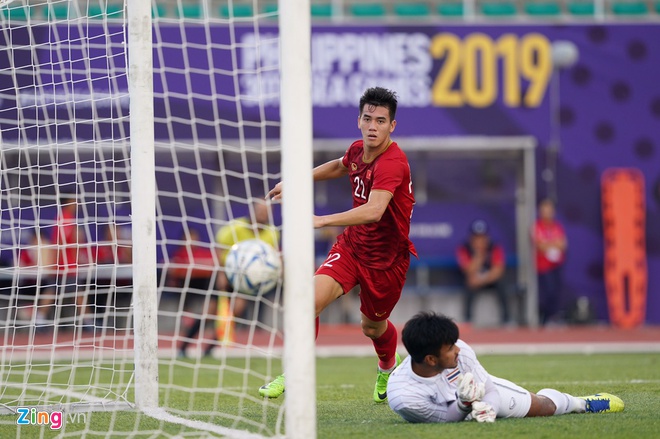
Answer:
x=196 y=259
x=108 y=252
x=495 y=256
x=66 y=237
x=545 y=231
x=378 y=245
x=28 y=257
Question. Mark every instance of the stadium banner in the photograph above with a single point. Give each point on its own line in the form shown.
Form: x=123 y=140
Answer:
x=452 y=80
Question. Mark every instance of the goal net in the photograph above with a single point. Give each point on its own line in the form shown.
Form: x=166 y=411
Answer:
x=75 y=299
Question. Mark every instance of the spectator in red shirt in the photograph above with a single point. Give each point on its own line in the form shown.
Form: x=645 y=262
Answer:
x=550 y=242
x=483 y=264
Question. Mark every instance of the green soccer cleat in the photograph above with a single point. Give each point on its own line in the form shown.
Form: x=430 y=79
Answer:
x=273 y=389
x=380 y=391
x=603 y=403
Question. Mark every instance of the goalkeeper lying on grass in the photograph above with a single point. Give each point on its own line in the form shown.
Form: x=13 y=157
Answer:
x=442 y=381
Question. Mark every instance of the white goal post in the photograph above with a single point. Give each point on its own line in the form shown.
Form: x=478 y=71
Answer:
x=143 y=206
x=298 y=240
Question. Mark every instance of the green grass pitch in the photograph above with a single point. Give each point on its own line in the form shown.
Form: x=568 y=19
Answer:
x=345 y=408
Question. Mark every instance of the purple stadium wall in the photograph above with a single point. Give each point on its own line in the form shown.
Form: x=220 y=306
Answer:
x=609 y=113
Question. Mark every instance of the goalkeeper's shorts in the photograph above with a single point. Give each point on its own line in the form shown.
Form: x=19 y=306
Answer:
x=515 y=401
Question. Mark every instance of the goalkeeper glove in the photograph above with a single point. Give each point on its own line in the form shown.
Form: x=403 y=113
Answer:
x=483 y=412
x=469 y=391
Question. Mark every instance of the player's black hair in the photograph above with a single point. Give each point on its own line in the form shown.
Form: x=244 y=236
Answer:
x=380 y=97
x=547 y=200
x=426 y=333
x=67 y=198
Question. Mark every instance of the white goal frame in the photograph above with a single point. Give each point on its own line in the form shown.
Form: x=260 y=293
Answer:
x=297 y=229
x=143 y=206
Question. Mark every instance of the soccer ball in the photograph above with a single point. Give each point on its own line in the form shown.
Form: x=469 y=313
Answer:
x=253 y=266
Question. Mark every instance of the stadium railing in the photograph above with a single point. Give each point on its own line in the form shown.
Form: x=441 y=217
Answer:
x=386 y=10
x=448 y=9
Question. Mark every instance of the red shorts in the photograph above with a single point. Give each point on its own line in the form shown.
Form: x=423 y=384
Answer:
x=380 y=290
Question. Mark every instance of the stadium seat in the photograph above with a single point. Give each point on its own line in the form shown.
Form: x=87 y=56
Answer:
x=412 y=10
x=111 y=11
x=59 y=12
x=450 y=9
x=17 y=13
x=366 y=10
x=543 y=9
x=498 y=9
x=240 y=10
x=581 y=8
x=190 y=11
x=321 y=10
x=656 y=6
x=270 y=8
x=160 y=11
x=629 y=8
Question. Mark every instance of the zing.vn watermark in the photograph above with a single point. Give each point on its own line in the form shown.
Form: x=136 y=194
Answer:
x=55 y=419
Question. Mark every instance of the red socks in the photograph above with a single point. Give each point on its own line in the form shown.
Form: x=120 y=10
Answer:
x=385 y=346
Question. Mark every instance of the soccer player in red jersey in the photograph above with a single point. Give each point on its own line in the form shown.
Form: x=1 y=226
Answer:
x=374 y=249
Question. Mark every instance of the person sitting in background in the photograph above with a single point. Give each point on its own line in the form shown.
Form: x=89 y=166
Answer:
x=483 y=264
x=550 y=243
x=109 y=250
x=6 y=263
x=443 y=381
x=39 y=255
x=194 y=274
x=108 y=254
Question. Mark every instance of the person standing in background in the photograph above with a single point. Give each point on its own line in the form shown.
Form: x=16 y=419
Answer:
x=255 y=225
x=108 y=254
x=550 y=243
x=71 y=254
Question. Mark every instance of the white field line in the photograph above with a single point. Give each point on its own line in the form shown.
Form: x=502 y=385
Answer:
x=162 y=415
x=351 y=351
x=512 y=348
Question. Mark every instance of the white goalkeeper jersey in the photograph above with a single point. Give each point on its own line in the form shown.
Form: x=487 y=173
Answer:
x=419 y=399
